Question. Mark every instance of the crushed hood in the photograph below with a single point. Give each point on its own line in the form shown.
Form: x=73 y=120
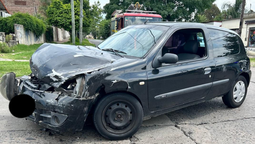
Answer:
x=54 y=63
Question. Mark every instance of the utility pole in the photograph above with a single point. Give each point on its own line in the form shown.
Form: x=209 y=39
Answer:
x=81 y=20
x=241 y=18
x=73 y=23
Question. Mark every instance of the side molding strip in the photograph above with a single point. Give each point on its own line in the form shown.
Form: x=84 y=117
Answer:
x=220 y=82
x=191 y=89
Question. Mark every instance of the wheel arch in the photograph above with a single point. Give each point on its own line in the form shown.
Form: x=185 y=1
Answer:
x=104 y=94
x=246 y=76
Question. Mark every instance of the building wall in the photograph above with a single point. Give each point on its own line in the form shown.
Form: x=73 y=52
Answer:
x=60 y=34
x=218 y=24
x=24 y=6
x=231 y=24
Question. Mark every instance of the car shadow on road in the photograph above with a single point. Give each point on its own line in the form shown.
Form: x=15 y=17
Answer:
x=197 y=114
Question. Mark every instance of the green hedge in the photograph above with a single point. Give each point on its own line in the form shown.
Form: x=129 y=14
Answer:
x=29 y=22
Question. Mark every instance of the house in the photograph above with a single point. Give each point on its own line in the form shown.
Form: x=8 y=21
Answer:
x=24 y=6
x=3 y=10
x=248 y=30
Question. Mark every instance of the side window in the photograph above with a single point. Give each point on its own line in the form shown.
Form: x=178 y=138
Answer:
x=224 y=43
x=187 y=44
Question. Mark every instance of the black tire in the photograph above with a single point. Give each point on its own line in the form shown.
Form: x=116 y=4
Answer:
x=230 y=99
x=118 y=116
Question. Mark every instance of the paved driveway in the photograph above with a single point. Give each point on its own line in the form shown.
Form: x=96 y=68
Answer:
x=95 y=41
x=209 y=122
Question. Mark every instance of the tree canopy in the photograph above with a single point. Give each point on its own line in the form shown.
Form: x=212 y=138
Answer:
x=232 y=10
x=59 y=15
x=95 y=12
x=212 y=12
x=169 y=9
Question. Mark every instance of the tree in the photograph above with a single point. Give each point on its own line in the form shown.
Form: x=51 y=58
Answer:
x=59 y=15
x=232 y=11
x=218 y=17
x=104 y=28
x=96 y=12
x=201 y=18
x=212 y=12
x=169 y=9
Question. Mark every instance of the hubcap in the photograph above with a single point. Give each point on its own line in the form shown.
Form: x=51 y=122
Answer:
x=239 y=91
x=118 y=116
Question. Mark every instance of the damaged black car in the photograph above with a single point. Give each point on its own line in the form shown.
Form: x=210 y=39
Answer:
x=139 y=72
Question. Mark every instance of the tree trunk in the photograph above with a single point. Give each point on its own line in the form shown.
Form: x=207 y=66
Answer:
x=73 y=23
x=81 y=21
x=241 y=18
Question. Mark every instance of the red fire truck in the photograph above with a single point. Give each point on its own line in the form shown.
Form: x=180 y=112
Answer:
x=132 y=17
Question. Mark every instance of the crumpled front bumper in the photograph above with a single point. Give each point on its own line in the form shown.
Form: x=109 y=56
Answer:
x=58 y=113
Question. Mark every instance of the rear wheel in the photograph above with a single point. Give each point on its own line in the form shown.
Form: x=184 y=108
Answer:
x=118 y=116
x=236 y=96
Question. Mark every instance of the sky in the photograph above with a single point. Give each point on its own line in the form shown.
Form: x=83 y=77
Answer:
x=219 y=3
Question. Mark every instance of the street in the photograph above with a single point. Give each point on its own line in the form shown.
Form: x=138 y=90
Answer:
x=208 y=123
x=95 y=41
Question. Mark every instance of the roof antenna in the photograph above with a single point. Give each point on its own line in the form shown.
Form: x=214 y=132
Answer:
x=145 y=21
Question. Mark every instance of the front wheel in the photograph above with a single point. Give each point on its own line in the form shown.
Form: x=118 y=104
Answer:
x=118 y=116
x=236 y=96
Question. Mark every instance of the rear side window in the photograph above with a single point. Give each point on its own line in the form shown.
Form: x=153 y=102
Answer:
x=224 y=43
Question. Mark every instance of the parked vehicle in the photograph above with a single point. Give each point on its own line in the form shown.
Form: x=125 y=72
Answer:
x=139 y=72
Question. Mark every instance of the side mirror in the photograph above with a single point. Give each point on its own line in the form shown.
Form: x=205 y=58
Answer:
x=167 y=58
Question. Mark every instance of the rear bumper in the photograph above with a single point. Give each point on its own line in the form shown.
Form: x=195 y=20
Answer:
x=52 y=111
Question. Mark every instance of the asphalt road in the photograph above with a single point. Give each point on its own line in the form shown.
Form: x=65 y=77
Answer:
x=207 y=123
x=95 y=41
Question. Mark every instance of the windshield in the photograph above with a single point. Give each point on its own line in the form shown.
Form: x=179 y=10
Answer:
x=134 y=20
x=134 y=40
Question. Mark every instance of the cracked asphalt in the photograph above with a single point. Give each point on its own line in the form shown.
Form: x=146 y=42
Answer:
x=206 y=123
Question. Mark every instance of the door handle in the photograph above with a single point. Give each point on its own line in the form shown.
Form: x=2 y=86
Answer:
x=207 y=70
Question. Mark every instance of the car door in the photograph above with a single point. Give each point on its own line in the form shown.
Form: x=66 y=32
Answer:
x=226 y=49
x=173 y=85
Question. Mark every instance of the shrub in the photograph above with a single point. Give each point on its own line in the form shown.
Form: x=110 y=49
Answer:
x=4 y=48
x=8 y=38
x=29 y=22
x=49 y=34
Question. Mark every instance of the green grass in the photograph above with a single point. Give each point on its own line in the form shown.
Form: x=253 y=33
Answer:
x=20 y=68
x=252 y=62
x=85 y=42
x=21 y=52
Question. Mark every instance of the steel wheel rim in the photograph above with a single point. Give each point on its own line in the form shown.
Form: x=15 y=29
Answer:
x=118 y=117
x=239 y=91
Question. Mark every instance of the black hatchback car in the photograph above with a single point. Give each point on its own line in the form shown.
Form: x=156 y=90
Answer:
x=140 y=72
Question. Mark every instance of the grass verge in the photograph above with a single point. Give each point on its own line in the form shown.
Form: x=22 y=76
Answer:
x=24 y=52
x=252 y=62
x=21 y=52
x=20 y=68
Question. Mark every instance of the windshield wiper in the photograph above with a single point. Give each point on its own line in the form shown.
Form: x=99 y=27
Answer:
x=116 y=52
x=153 y=36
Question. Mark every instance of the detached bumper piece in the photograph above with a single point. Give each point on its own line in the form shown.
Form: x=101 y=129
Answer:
x=8 y=86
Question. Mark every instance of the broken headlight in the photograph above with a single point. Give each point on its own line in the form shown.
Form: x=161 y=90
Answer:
x=75 y=87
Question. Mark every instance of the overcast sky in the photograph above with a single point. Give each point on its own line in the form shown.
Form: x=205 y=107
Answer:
x=219 y=3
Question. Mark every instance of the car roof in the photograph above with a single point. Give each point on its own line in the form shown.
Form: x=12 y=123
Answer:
x=189 y=24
